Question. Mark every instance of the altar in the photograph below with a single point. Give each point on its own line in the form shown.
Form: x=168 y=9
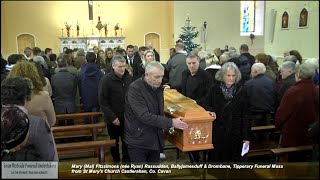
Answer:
x=198 y=135
x=88 y=42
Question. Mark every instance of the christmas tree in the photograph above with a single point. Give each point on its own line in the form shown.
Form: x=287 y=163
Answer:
x=188 y=33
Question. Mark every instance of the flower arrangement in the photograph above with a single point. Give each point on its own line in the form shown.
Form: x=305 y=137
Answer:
x=68 y=26
x=116 y=27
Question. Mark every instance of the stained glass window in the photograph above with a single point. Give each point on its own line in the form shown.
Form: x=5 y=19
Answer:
x=247 y=16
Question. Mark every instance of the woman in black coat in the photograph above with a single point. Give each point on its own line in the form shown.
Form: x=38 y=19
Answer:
x=225 y=103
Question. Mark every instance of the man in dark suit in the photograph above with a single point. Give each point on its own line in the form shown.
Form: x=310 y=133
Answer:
x=139 y=57
x=132 y=60
x=195 y=84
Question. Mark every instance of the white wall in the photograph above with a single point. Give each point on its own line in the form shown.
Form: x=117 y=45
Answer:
x=306 y=41
x=223 y=19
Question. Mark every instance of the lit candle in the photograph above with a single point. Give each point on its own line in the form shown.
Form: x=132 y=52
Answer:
x=98 y=18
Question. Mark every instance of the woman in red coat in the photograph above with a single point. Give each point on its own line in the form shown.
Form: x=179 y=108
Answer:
x=298 y=109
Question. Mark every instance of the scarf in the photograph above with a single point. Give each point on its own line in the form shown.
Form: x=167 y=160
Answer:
x=228 y=92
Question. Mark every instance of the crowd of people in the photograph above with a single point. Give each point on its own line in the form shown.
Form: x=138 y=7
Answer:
x=237 y=89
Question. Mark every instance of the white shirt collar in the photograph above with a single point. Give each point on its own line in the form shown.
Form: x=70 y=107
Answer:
x=22 y=108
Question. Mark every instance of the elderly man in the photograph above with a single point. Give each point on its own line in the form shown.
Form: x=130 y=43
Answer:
x=260 y=95
x=144 y=116
x=287 y=70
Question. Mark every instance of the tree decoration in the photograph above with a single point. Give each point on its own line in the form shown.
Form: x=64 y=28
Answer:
x=188 y=33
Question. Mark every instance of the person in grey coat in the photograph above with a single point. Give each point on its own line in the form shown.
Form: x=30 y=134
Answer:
x=64 y=87
x=144 y=116
x=176 y=65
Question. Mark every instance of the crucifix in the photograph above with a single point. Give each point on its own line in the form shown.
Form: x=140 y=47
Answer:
x=90 y=6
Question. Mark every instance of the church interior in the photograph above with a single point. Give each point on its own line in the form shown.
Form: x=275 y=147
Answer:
x=270 y=27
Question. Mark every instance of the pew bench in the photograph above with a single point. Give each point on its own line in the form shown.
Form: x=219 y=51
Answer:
x=75 y=131
x=282 y=153
x=72 y=148
x=301 y=170
x=262 y=148
x=78 y=117
x=263 y=128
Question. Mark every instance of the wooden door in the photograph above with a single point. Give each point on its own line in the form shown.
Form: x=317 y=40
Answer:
x=154 y=39
x=25 y=40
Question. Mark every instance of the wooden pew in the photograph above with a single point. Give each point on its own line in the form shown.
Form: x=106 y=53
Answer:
x=282 y=153
x=77 y=117
x=100 y=145
x=75 y=131
x=82 y=130
x=263 y=147
x=263 y=128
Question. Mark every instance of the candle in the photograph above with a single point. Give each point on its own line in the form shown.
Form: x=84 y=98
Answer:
x=99 y=18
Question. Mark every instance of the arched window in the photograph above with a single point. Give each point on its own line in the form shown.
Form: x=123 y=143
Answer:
x=247 y=16
x=251 y=17
x=25 y=40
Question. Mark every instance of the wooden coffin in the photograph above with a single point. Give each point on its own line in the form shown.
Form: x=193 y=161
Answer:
x=198 y=136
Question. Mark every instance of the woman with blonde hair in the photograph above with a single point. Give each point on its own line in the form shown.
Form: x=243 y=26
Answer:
x=148 y=56
x=45 y=81
x=40 y=104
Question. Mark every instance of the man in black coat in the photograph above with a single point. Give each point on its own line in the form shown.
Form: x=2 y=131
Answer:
x=260 y=95
x=144 y=116
x=195 y=84
x=244 y=51
x=112 y=90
